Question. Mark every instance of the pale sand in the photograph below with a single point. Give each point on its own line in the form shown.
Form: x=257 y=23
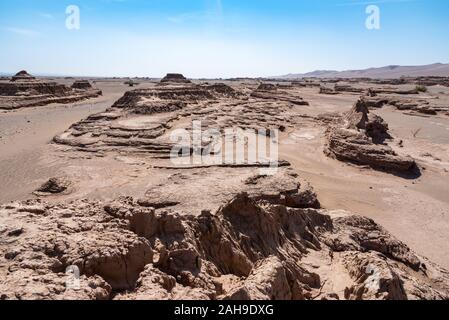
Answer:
x=415 y=211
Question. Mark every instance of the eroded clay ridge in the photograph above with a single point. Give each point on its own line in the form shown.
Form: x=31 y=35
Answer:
x=398 y=93
x=270 y=92
x=24 y=90
x=140 y=121
x=268 y=240
x=362 y=138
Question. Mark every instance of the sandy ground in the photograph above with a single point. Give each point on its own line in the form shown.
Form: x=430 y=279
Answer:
x=26 y=133
x=416 y=211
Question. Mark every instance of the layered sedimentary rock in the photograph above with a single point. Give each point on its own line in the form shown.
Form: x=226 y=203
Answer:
x=264 y=238
x=21 y=76
x=223 y=231
x=141 y=121
x=347 y=88
x=394 y=91
x=82 y=85
x=25 y=91
x=417 y=105
x=327 y=90
x=359 y=137
x=174 y=78
x=268 y=91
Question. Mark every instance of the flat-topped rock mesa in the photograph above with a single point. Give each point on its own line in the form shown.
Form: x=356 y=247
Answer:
x=267 y=87
x=423 y=81
x=141 y=121
x=22 y=76
x=25 y=84
x=348 y=88
x=267 y=91
x=359 y=137
x=24 y=90
x=82 y=85
x=233 y=235
x=328 y=90
x=175 y=78
x=136 y=121
x=414 y=105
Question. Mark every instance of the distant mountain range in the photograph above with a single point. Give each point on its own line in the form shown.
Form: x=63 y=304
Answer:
x=388 y=72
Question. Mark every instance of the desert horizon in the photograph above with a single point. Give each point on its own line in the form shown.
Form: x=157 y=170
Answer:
x=253 y=185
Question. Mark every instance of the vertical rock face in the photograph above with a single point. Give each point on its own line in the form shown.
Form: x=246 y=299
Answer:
x=359 y=136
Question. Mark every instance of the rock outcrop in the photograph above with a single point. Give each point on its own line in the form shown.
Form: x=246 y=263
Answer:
x=267 y=91
x=26 y=91
x=22 y=76
x=327 y=90
x=140 y=121
x=82 y=85
x=359 y=136
x=347 y=88
x=257 y=246
x=58 y=185
x=175 y=78
x=205 y=230
x=409 y=105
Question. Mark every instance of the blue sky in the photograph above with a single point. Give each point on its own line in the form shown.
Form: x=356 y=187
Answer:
x=218 y=38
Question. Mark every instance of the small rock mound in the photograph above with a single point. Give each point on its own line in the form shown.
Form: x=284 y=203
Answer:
x=222 y=90
x=54 y=186
x=82 y=85
x=22 y=76
x=327 y=90
x=175 y=77
x=267 y=87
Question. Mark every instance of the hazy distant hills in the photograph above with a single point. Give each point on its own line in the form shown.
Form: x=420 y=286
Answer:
x=388 y=72
x=437 y=69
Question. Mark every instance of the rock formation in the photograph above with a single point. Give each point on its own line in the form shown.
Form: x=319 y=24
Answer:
x=263 y=241
x=207 y=231
x=139 y=122
x=268 y=91
x=174 y=78
x=82 y=85
x=411 y=105
x=358 y=137
x=327 y=90
x=59 y=185
x=347 y=88
x=22 y=76
x=25 y=91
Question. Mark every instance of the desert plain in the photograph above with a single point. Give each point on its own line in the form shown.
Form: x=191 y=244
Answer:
x=358 y=207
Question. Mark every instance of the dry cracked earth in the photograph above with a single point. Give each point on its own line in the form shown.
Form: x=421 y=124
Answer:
x=106 y=197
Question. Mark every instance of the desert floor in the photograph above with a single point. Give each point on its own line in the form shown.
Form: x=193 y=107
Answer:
x=414 y=210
